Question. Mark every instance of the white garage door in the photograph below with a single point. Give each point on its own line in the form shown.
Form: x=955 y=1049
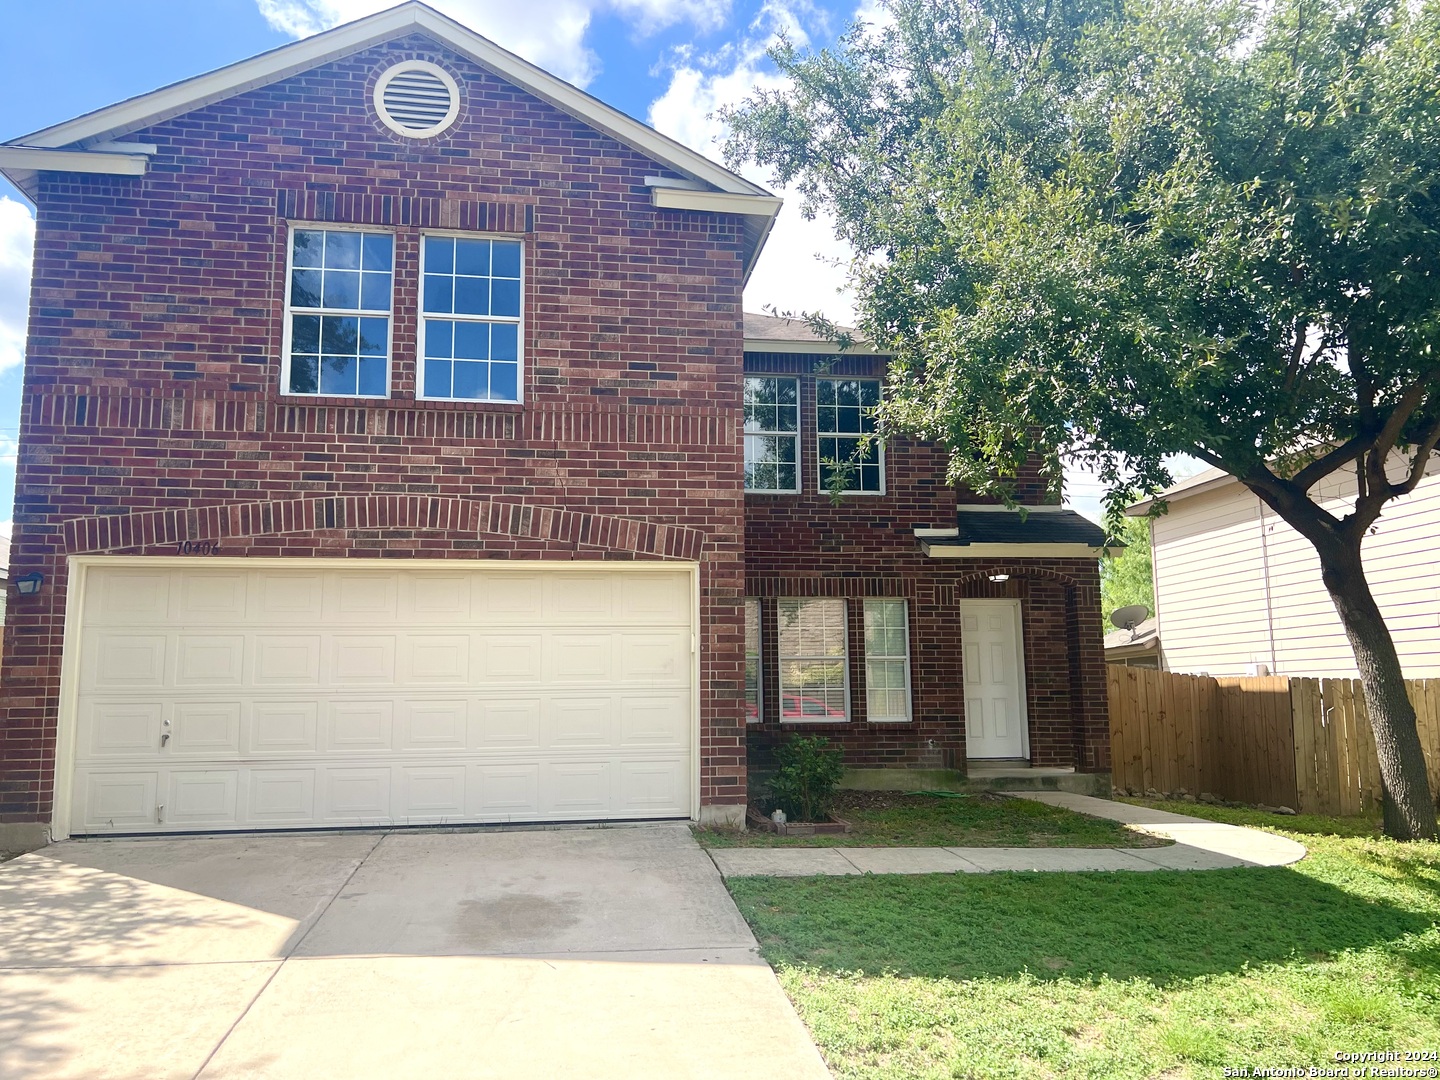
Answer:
x=271 y=697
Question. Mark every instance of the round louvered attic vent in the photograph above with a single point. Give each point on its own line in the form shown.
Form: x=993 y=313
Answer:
x=417 y=99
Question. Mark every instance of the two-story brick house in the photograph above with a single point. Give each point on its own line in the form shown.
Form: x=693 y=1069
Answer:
x=393 y=452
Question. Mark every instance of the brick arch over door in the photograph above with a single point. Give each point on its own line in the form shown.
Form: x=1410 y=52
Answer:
x=1088 y=729
x=477 y=517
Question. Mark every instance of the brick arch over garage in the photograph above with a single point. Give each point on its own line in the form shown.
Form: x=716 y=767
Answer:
x=465 y=517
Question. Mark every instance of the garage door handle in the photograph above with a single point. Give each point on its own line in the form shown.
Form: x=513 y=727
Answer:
x=160 y=814
x=165 y=733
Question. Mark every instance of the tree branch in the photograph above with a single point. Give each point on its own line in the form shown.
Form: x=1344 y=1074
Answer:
x=1328 y=462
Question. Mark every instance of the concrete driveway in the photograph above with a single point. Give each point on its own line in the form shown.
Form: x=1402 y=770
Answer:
x=575 y=953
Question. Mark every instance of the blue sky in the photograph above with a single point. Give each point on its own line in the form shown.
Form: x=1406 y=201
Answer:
x=669 y=62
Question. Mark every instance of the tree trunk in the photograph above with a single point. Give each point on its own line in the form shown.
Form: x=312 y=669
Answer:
x=1409 y=808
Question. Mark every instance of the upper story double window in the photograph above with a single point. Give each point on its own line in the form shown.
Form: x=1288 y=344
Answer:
x=339 y=318
x=843 y=435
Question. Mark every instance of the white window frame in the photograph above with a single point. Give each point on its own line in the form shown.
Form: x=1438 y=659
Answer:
x=819 y=435
x=759 y=655
x=517 y=321
x=799 y=442
x=781 y=660
x=292 y=227
x=886 y=658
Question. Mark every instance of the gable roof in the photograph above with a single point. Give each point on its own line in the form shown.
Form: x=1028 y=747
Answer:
x=94 y=142
x=779 y=334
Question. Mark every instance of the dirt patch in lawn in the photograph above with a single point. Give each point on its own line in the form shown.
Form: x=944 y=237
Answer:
x=900 y=819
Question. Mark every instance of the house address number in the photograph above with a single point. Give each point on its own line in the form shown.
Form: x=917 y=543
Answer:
x=197 y=547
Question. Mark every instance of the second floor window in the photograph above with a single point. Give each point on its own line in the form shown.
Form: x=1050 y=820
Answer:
x=844 y=417
x=338 y=313
x=470 y=315
x=772 y=434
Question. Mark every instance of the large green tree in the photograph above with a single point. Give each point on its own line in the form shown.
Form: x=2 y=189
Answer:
x=1124 y=229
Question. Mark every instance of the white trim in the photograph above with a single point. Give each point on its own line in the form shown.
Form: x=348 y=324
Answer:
x=812 y=348
x=1013 y=551
x=819 y=462
x=799 y=487
x=714 y=202
x=270 y=67
x=78 y=566
x=292 y=227
x=420 y=315
x=377 y=99
x=1019 y=667
x=994 y=508
x=934 y=533
x=47 y=159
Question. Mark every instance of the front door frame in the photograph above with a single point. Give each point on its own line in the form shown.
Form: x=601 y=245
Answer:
x=1024 y=714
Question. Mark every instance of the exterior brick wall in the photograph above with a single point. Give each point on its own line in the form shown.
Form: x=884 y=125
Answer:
x=152 y=411
x=803 y=545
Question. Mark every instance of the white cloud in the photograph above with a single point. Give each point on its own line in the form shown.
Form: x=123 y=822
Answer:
x=804 y=267
x=550 y=33
x=17 y=244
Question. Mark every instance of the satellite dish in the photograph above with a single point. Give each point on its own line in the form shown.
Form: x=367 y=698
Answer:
x=1127 y=618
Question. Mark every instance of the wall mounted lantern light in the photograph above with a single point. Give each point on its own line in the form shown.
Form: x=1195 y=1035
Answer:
x=998 y=578
x=28 y=584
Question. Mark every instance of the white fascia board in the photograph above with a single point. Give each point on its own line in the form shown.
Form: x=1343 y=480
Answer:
x=1013 y=551
x=815 y=348
x=715 y=202
x=145 y=110
x=47 y=159
x=937 y=534
x=1141 y=508
x=994 y=508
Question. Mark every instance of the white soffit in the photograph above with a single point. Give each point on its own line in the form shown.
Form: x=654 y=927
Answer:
x=942 y=550
x=140 y=112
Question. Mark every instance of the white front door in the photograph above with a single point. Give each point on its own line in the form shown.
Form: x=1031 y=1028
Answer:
x=994 y=679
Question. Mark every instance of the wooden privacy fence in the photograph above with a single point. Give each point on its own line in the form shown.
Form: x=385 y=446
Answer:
x=1302 y=743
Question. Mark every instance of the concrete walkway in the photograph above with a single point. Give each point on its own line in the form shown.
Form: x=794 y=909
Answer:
x=601 y=953
x=1199 y=845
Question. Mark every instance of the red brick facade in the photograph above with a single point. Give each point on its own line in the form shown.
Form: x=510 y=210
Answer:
x=804 y=545
x=152 y=412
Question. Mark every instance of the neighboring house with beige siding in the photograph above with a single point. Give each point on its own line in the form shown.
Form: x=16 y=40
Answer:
x=1238 y=591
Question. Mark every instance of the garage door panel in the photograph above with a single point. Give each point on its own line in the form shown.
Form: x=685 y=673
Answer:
x=512 y=724
x=228 y=697
x=205 y=728
x=124 y=660
x=576 y=789
x=654 y=787
x=579 y=722
x=287 y=598
x=281 y=728
x=210 y=597
x=357 y=796
x=509 y=658
x=118 y=729
x=209 y=660
x=361 y=726
x=654 y=720
x=432 y=793
x=362 y=660
x=576 y=658
x=286 y=660
x=203 y=797
x=282 y=796
x=118 y=800
x=433 y=725
x=505 y=792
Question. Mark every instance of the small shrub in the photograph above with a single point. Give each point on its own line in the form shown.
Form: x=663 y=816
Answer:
x=809 y=772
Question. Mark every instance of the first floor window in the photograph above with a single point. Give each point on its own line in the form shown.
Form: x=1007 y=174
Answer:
x=752 y=660
x=845 y=429
x=887 y=660
x=470 y=319
x=772 y=434
x=338 y=312
x=813 y=660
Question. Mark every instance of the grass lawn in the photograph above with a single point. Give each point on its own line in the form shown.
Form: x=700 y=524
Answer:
x=893 y=819
x=1162 y=974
